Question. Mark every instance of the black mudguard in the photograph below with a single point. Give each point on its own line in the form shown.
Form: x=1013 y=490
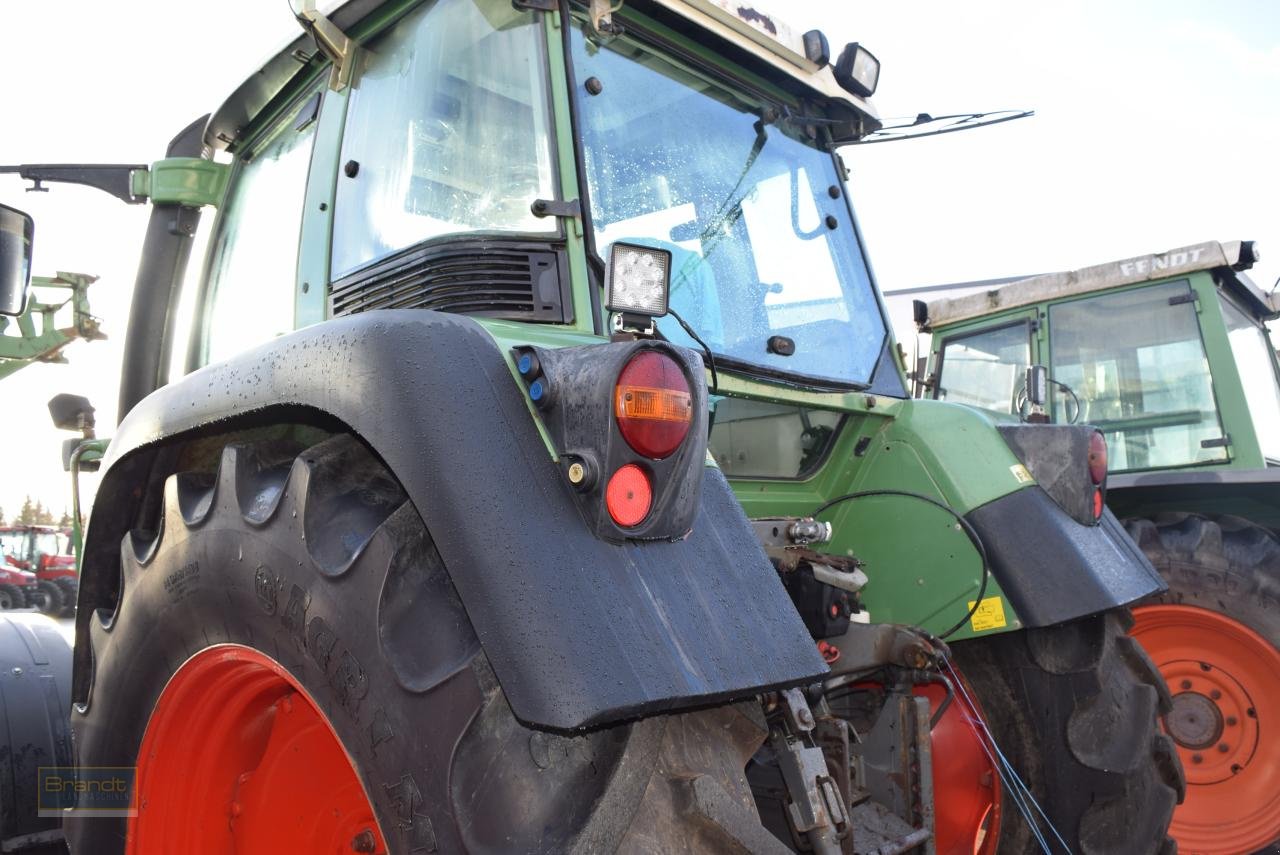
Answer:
x=1054 y=569
x=580 y=632
x=35 y=705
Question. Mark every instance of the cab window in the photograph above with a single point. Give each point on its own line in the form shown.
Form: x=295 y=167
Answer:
x=1137 y=364
x=447 y=132
x=986 y=369
x=755 y=439
x=254 y=249
x=1256 y=363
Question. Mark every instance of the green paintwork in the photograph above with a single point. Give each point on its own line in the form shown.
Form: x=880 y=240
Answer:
x=91 y=451
x=45 y=344
x=922 y=569
x=567 y=172
x=1262 y=504
x=311 y=302
x=191 y=181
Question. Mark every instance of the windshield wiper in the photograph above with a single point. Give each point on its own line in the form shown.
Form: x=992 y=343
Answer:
x=789 y=378
x=729 y=210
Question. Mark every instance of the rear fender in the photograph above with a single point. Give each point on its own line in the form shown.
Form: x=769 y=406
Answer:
x=579 y=631
x=1048 y=566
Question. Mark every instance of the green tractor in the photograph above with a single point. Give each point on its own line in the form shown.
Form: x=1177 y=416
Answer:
x=544 y=478
x=1169 y=355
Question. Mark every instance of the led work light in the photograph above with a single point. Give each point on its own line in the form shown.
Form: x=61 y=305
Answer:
x=857 y=70
x=637 y=280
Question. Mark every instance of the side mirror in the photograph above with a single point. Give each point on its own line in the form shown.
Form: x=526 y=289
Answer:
x=72 y=412
x=920 y=314
x=17 y=231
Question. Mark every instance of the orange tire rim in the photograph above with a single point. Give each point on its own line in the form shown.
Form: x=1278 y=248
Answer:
x=237 y=757
x=966 y=785
x=1225 y=683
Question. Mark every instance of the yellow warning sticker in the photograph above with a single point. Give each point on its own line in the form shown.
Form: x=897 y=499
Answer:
x=989 y=615
x=1021 y=473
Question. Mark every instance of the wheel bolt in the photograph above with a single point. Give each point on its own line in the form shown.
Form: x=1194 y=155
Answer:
x=1186 y=684
x=1215 y=694
x=1222 y=747
x=1232 y=721
x=1236 y=768
x=1251 y=712
x=1205 y=666
x=364 y=842
x=1196 y=758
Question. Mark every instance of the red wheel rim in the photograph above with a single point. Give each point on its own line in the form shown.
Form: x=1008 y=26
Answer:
x=1225 y=682
x=237 y=757
x=966 y=785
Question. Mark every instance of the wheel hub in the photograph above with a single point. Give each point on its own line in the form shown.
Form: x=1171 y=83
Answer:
x=1195 y=721
x=1214 y=721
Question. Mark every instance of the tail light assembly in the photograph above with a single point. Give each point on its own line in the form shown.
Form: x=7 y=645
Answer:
x=628 y=421
x=1097 y=461
x=1069 y=462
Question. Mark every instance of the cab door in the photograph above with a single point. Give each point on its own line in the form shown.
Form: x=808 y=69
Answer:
x=986 y=366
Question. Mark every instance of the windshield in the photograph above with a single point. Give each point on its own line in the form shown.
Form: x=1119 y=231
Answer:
x=762 y=239
x=1252 y=350
x=48 y=543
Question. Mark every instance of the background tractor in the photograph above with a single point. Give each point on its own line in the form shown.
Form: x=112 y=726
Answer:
x=1169 y=355
x=44 y=551
x=544 y=468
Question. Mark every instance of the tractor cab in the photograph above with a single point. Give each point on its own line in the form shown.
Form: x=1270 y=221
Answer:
x=1168 y=354
x=37 y=548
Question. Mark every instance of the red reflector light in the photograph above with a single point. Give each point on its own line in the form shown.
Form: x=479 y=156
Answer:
x=628 y=496
x=1097 y=458
x=652 y=404
x=1097 y=504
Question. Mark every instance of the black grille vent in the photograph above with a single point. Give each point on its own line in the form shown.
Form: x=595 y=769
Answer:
x=494 y=278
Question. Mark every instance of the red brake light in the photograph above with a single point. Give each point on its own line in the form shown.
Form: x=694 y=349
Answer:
x=1097 y=459
x=652 y=405
x=1097 y=503
x=628 y=496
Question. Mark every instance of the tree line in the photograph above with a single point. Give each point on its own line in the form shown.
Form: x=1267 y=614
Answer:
x=35 y=513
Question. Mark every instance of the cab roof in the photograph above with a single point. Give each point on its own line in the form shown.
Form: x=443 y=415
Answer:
x=747 y=25
x=1230 y=259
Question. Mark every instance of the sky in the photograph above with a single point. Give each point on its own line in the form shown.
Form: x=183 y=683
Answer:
x=1157 y=125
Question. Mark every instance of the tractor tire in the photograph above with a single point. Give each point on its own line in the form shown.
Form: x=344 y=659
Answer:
x=51 y=602
x=1075 y=708
x=11 y=597
x=290 y=669
x=70 y=589
x=1215 y=635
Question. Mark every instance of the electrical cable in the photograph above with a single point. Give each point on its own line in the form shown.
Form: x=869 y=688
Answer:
x=964 y=524
x=1020 y=400
x=711 y=359
x=1018 y=788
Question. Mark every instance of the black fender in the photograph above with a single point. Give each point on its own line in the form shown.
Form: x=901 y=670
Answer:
x=580 y=632
x=1054 y=569
x=35 y=710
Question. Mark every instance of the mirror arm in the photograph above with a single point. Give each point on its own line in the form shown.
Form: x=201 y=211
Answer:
x=116 y=178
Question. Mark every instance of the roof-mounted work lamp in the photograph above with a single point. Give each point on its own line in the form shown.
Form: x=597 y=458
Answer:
x=637 y=282
x=857 y=70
